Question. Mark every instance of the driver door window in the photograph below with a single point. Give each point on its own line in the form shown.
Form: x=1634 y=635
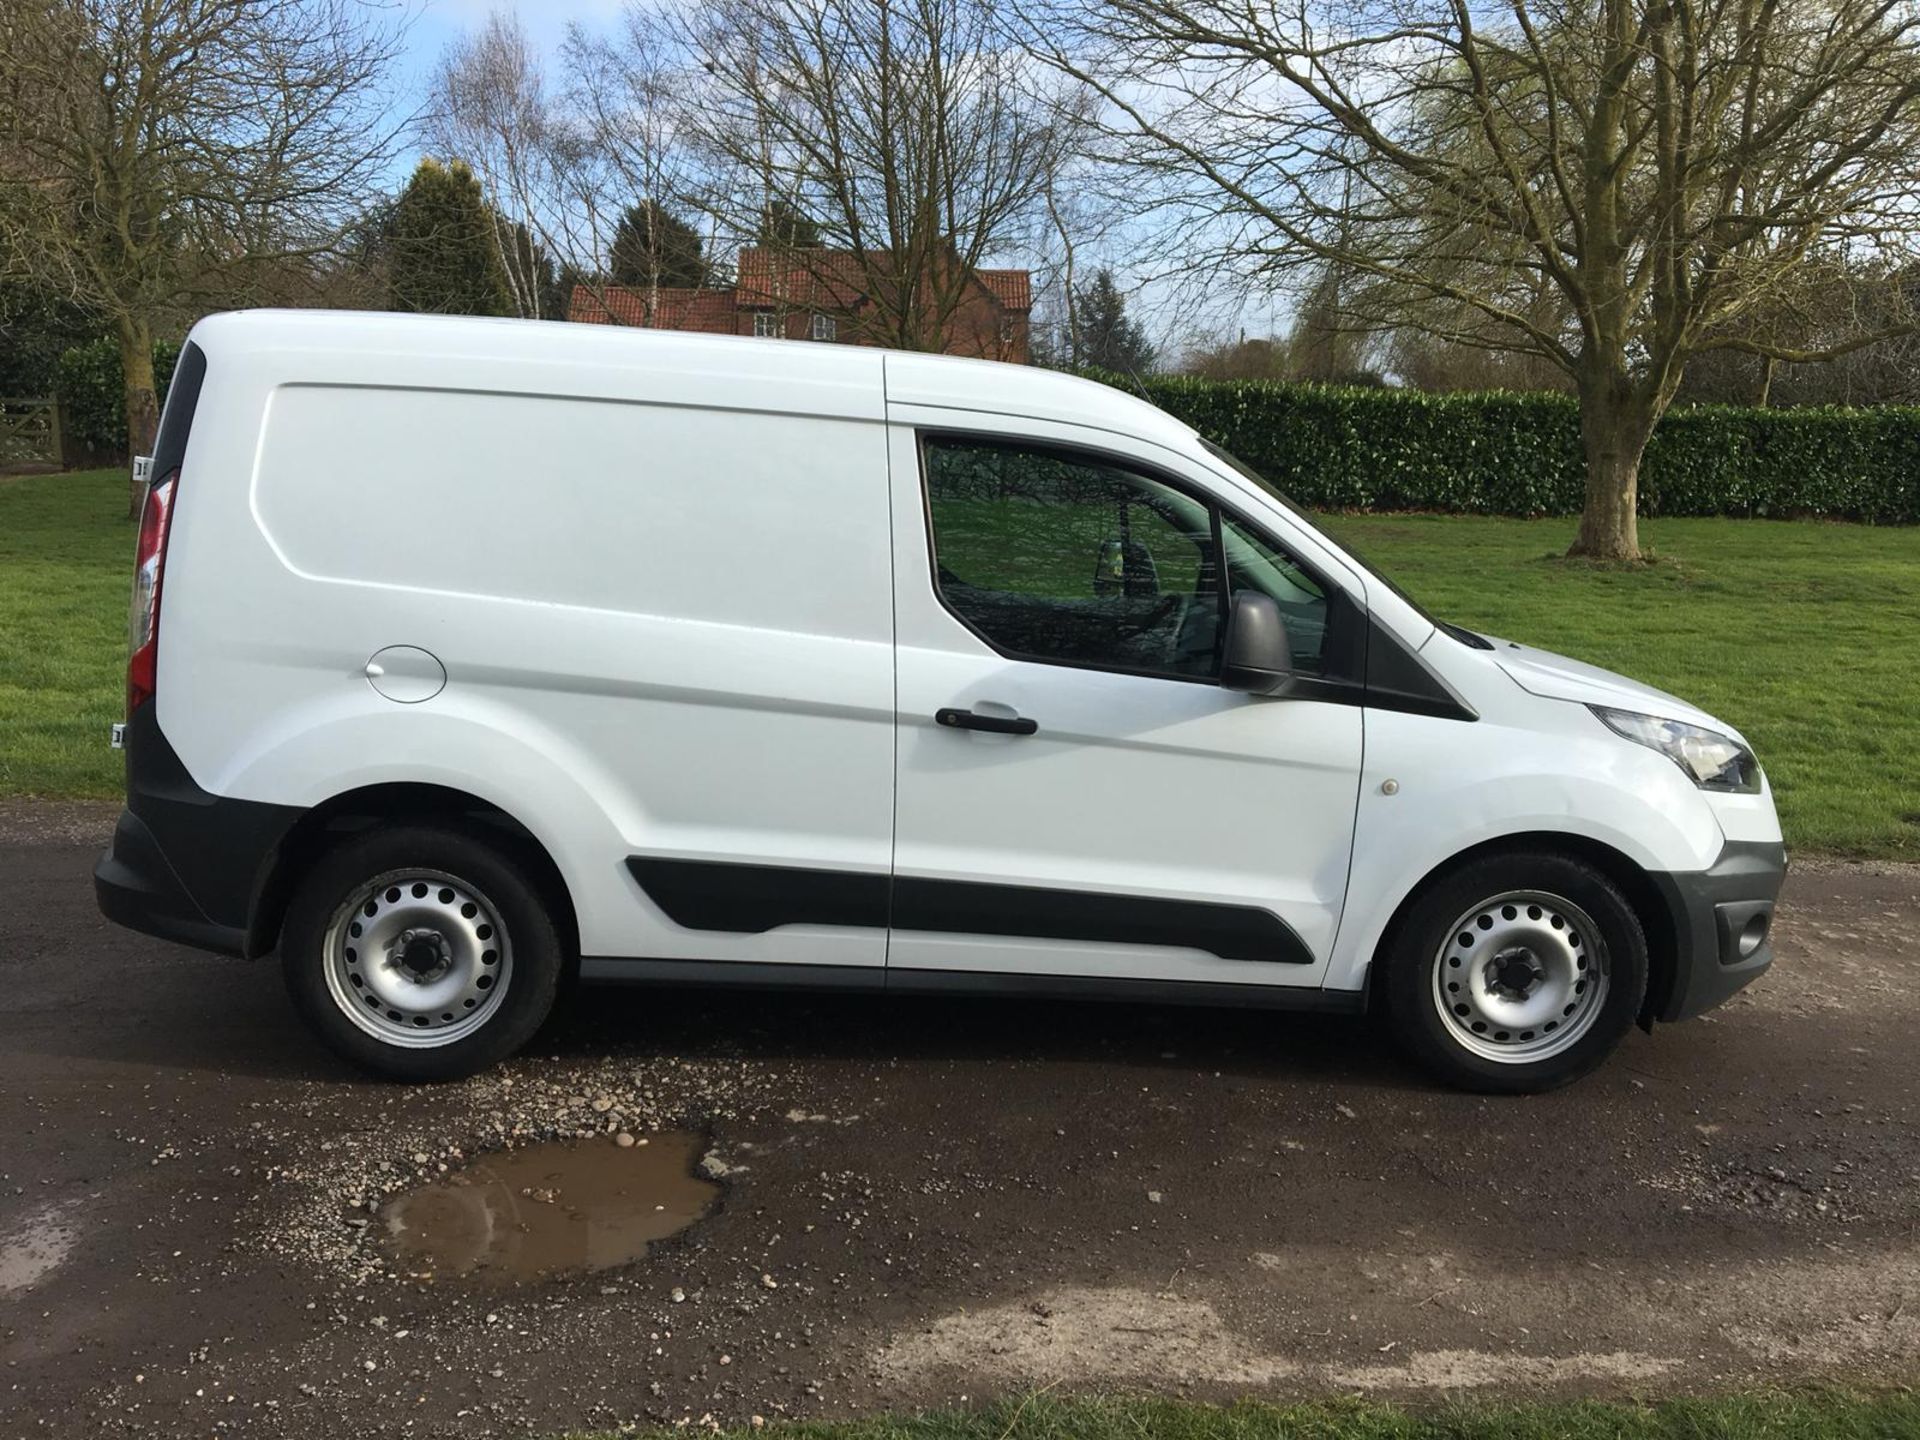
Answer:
x=1258 y=565
x=1070 y=560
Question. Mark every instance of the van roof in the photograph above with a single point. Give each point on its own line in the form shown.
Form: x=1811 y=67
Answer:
x=910 y=378
x=956 y=383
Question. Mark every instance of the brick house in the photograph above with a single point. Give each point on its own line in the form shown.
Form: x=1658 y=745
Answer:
x=816 y=299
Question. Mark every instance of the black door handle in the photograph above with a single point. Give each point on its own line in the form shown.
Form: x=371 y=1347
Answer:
x=994 y=724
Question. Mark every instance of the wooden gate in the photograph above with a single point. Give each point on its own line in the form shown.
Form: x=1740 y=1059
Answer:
x=30 y=433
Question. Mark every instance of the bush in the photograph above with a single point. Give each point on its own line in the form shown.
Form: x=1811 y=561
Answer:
x=1499 y=453
x=93 y=393
x=35 y=327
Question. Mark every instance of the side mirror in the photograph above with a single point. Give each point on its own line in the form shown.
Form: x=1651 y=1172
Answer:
x=1259 y=658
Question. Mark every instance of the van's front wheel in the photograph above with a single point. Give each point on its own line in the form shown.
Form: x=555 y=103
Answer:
x=420 y=952
x=1517 y=973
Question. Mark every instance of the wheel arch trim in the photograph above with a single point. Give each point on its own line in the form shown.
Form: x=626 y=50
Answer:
x=324 y=825
x=1656 y=917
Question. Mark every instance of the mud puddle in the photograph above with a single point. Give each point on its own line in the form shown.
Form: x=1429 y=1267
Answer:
x=549 y=1209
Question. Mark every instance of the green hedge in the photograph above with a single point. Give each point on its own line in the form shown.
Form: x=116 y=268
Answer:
x=93 y=393
x=1519 y=454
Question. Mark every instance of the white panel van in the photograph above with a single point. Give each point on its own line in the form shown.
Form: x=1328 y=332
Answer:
x=466 y=654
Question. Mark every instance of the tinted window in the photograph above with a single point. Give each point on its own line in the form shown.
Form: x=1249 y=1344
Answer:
x=1253 y=561
x=183 y=396
x=1301 y=517
x=1074 y=560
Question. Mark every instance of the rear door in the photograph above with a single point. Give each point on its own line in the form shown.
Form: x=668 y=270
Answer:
x=1076 y=794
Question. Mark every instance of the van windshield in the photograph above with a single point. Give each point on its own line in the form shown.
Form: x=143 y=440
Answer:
x=1458 y=632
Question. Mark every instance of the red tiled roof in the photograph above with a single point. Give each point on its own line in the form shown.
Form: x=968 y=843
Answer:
x=708 y=311
x=816 y=279
x=832 y=280
x=822 y=280
x=1012 y=288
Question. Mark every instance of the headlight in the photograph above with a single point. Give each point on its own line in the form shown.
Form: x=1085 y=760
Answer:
x=1712 y=761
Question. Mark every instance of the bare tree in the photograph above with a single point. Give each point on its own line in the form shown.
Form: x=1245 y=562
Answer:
x=906 y=130
x=1660 y=167
x=1828 y=301
x=626 y=152
x=1323 y=344
x=1066 y=348
x=159 y=155
x=1086 y=213
x=490 y=108
x=1436 y=343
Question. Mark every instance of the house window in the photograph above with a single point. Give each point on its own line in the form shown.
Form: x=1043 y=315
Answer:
x=825 y=327
x=766 y=325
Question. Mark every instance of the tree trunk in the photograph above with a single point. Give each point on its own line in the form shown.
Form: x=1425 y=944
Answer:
x=1613 y=434
x=143 y=406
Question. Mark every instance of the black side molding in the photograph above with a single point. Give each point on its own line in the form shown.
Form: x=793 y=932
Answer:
x=1123 y=990
x=1233 y=932
x=752 y=899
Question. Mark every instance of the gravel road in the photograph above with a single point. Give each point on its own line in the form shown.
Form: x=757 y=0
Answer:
x=934 y=1201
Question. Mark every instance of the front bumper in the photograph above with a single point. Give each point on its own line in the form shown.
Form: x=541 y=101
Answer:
x=1722 y=926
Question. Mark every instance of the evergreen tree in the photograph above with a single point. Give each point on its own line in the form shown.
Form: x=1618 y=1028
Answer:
x=653 y=246
x=785 y=226
x=1108 y=338
x=443 y=251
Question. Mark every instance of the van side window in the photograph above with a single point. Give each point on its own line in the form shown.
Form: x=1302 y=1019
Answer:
x=1255 y=562
x=1074 y=560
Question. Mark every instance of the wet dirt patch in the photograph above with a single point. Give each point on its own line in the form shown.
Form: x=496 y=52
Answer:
x=26 y=821
x=34 y=1249
x=1451 y=1370
x=547 y=1210
x=1084 y=1334
x=1831 y=1315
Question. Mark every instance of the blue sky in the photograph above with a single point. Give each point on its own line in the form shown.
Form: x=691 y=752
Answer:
x=436 y=23
x=545 y=21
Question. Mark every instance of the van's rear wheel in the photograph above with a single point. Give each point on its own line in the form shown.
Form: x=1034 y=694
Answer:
x=1517 y=973
x=420 y=952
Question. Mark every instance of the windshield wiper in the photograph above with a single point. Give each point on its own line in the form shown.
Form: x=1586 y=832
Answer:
x=1464 y=635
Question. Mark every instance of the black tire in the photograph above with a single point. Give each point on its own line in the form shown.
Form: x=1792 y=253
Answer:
x=529 y=952
x=1430 y=954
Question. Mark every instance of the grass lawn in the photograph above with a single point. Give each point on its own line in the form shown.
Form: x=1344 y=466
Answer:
x=1805 y=635
x=66 y=571
x=1039 y=1417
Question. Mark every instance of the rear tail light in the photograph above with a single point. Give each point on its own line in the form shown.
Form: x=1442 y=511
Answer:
x=149 y=565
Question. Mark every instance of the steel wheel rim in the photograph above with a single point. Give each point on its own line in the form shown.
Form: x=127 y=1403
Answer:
x=417 y=958
x=1520 y=977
